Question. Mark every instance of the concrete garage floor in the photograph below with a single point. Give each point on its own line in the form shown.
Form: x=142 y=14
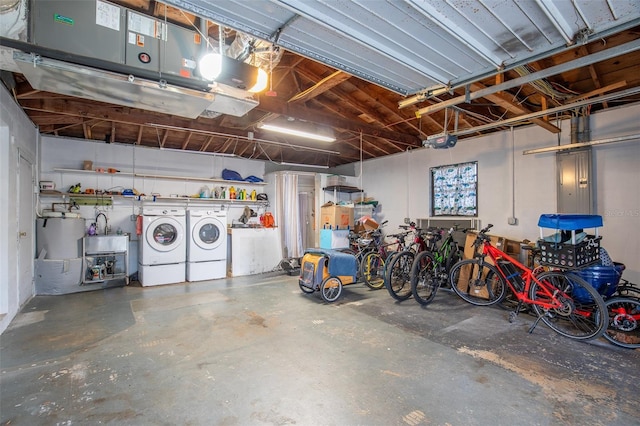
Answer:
x=257 y=351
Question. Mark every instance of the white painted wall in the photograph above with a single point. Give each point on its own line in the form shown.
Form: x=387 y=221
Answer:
x=401 y=182
x=68 y=153
x=17 y=132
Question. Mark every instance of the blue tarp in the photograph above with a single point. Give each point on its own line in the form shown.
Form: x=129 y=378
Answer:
x=339 y=263
x=569 y=222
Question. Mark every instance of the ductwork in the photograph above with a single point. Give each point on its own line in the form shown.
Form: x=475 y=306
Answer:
x=102 y=51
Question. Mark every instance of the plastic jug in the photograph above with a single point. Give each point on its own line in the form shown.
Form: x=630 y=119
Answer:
x=205 y=192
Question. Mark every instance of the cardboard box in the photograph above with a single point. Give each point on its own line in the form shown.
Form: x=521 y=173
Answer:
x=334 y=239
x=336 y=217
x=369 y=224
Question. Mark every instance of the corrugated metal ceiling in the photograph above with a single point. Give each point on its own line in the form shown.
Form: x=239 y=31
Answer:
x=409 y=46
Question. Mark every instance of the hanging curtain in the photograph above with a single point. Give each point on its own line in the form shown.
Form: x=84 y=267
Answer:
x=288 y=214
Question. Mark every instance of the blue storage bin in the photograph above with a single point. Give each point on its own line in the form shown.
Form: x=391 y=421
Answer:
x=604 y=279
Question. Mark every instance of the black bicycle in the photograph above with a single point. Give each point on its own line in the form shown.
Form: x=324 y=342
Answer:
x=430 y=269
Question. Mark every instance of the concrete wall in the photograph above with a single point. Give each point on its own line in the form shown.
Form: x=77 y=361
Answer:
x=17 y=134
x=401 y=182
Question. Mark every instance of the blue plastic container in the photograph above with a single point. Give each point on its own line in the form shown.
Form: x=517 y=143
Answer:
x=604 y=279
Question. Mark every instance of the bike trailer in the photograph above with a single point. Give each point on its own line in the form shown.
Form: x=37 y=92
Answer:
x=569 y=246
x=321 y=266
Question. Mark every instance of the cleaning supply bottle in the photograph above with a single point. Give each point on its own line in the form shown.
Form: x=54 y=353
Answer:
x=232 y=193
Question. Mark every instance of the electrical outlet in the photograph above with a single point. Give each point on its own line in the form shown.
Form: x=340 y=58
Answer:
x=407 y=220
x=512 y=221
x=133 y=218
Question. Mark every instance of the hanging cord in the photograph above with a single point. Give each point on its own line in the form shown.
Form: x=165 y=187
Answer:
x=361 y=157
x=513 y=174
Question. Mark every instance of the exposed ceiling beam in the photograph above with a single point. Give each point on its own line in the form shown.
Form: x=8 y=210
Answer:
x=567 y=66
x=185 y=144
x=504 y=100
x=279 y=107
x=523 y=118
x=320 y=87
x=139 y=138
x=592 y=72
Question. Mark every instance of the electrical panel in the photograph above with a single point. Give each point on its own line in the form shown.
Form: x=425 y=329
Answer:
x=575 y=181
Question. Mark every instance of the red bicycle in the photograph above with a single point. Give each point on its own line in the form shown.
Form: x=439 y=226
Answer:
x=562 y=300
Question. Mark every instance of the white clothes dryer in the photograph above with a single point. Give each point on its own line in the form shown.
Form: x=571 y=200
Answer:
x=162 y=246
x=206 y=244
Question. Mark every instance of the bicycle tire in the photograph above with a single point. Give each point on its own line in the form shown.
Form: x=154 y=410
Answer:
x=583 y=312
x=398 y=275
x=305 y=289
x=331 y=289
x=424 y=278
x=628 y=291
x=623 y=328
x=477 y=282
x=372 y=270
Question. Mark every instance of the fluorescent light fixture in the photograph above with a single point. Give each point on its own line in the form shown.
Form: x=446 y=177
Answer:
x=296 y=132
x=210 y=66
x=581 y=145
x=284 y=163
x=184 y=151
x=246 y=138
x=261 y=83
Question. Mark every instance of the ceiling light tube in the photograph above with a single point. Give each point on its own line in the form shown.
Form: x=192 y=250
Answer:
x=245 y=138
x=581 y=145
x=284 y=163
x=294 y=132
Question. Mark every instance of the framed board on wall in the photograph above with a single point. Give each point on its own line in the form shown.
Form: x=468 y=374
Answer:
x=454 y=190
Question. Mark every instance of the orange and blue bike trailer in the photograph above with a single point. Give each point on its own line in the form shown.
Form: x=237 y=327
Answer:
x=327 y=271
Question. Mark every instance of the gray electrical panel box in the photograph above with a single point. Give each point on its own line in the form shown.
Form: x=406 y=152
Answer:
x=94 y=29
x=575 y=181
x=144 y=36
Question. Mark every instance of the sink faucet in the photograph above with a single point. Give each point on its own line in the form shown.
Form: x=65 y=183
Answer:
x=106 y=221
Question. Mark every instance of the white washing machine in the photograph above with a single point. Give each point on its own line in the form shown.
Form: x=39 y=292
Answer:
x=206 y=244
x=162 y=248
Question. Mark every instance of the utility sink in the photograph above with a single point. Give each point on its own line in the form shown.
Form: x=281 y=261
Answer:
x=106 y=244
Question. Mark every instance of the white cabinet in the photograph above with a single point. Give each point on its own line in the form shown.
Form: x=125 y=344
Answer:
x=253 y=251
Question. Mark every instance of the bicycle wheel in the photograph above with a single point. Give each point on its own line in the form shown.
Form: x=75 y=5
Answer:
x=398 y=275
x=477 y=282
x=623 y=328
x=372 y=270
x=331 y=289
x=582 y=315
x=305 y=289
x=627 y=291
x=424 y=278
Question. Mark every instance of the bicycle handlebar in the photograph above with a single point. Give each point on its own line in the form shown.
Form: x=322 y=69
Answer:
x=482 y=236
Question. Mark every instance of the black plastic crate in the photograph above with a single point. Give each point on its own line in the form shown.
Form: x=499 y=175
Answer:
x=566 y=255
